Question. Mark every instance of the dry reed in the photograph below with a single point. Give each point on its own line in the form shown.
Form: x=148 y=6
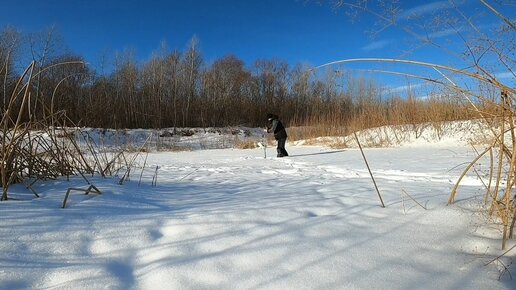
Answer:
x=33 y=150
x=498 y=112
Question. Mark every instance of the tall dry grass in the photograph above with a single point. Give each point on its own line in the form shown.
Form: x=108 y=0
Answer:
x=495 y=104
x=501 y=119
x=40 y=149
x=397 y=112
x=500 y=198
x=499 y=113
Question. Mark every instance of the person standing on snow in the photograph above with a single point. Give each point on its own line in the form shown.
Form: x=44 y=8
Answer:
x=280 y=134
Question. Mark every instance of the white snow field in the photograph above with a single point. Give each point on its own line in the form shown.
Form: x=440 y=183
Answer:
x=230 y=219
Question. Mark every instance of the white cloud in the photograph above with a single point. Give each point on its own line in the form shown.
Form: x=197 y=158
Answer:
x=376 y=45
x=425 y=9
x=444 y=33
x=504 y=75
x=451 y=31
x=405 y=88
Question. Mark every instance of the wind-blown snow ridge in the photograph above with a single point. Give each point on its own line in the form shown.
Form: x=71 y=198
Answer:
x=428 y=134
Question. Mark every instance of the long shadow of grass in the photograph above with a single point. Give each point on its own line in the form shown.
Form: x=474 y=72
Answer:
x=171 y=200
x=123 y=272
x=14 y=284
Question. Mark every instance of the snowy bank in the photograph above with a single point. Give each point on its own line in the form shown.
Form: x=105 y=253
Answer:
x=458 y=133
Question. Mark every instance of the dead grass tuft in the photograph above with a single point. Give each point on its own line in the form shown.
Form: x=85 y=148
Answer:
x=249 y=144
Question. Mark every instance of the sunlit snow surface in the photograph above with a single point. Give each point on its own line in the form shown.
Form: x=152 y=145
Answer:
x=231 y=219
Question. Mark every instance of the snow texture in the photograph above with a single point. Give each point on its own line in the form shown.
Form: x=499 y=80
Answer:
x=231 y=219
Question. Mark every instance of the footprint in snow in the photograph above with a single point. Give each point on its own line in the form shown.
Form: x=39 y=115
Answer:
x=155 y=234
x=310 y=214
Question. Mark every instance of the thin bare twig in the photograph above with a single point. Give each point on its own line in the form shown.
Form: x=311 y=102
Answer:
x=369 y=169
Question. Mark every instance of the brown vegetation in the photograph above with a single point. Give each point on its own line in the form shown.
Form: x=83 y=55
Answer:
x=493 y=100
x=178 y=89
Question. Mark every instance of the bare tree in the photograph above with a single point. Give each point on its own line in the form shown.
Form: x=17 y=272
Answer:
x=224 y=88
x=172 y=80
x=9 y=45
x=126 y=82
x=191 y=70
x=44 y=47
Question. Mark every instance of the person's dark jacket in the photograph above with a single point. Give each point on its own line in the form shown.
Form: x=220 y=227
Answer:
x=276 y=127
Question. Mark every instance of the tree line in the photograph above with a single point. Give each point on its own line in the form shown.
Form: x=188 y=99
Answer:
x=180 y=89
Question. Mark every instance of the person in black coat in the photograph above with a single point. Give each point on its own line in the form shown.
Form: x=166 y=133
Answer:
x=280 y=134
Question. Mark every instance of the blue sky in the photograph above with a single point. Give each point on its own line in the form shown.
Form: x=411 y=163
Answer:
x=285 y=29
x=290 y=30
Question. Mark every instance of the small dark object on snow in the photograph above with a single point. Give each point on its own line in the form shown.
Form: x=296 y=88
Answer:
x=166 y=134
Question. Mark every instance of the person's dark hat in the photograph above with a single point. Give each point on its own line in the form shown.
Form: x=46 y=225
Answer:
x=270 y=116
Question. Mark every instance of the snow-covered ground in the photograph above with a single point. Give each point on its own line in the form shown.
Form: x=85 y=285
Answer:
x=185 y=139
x=231 y=219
